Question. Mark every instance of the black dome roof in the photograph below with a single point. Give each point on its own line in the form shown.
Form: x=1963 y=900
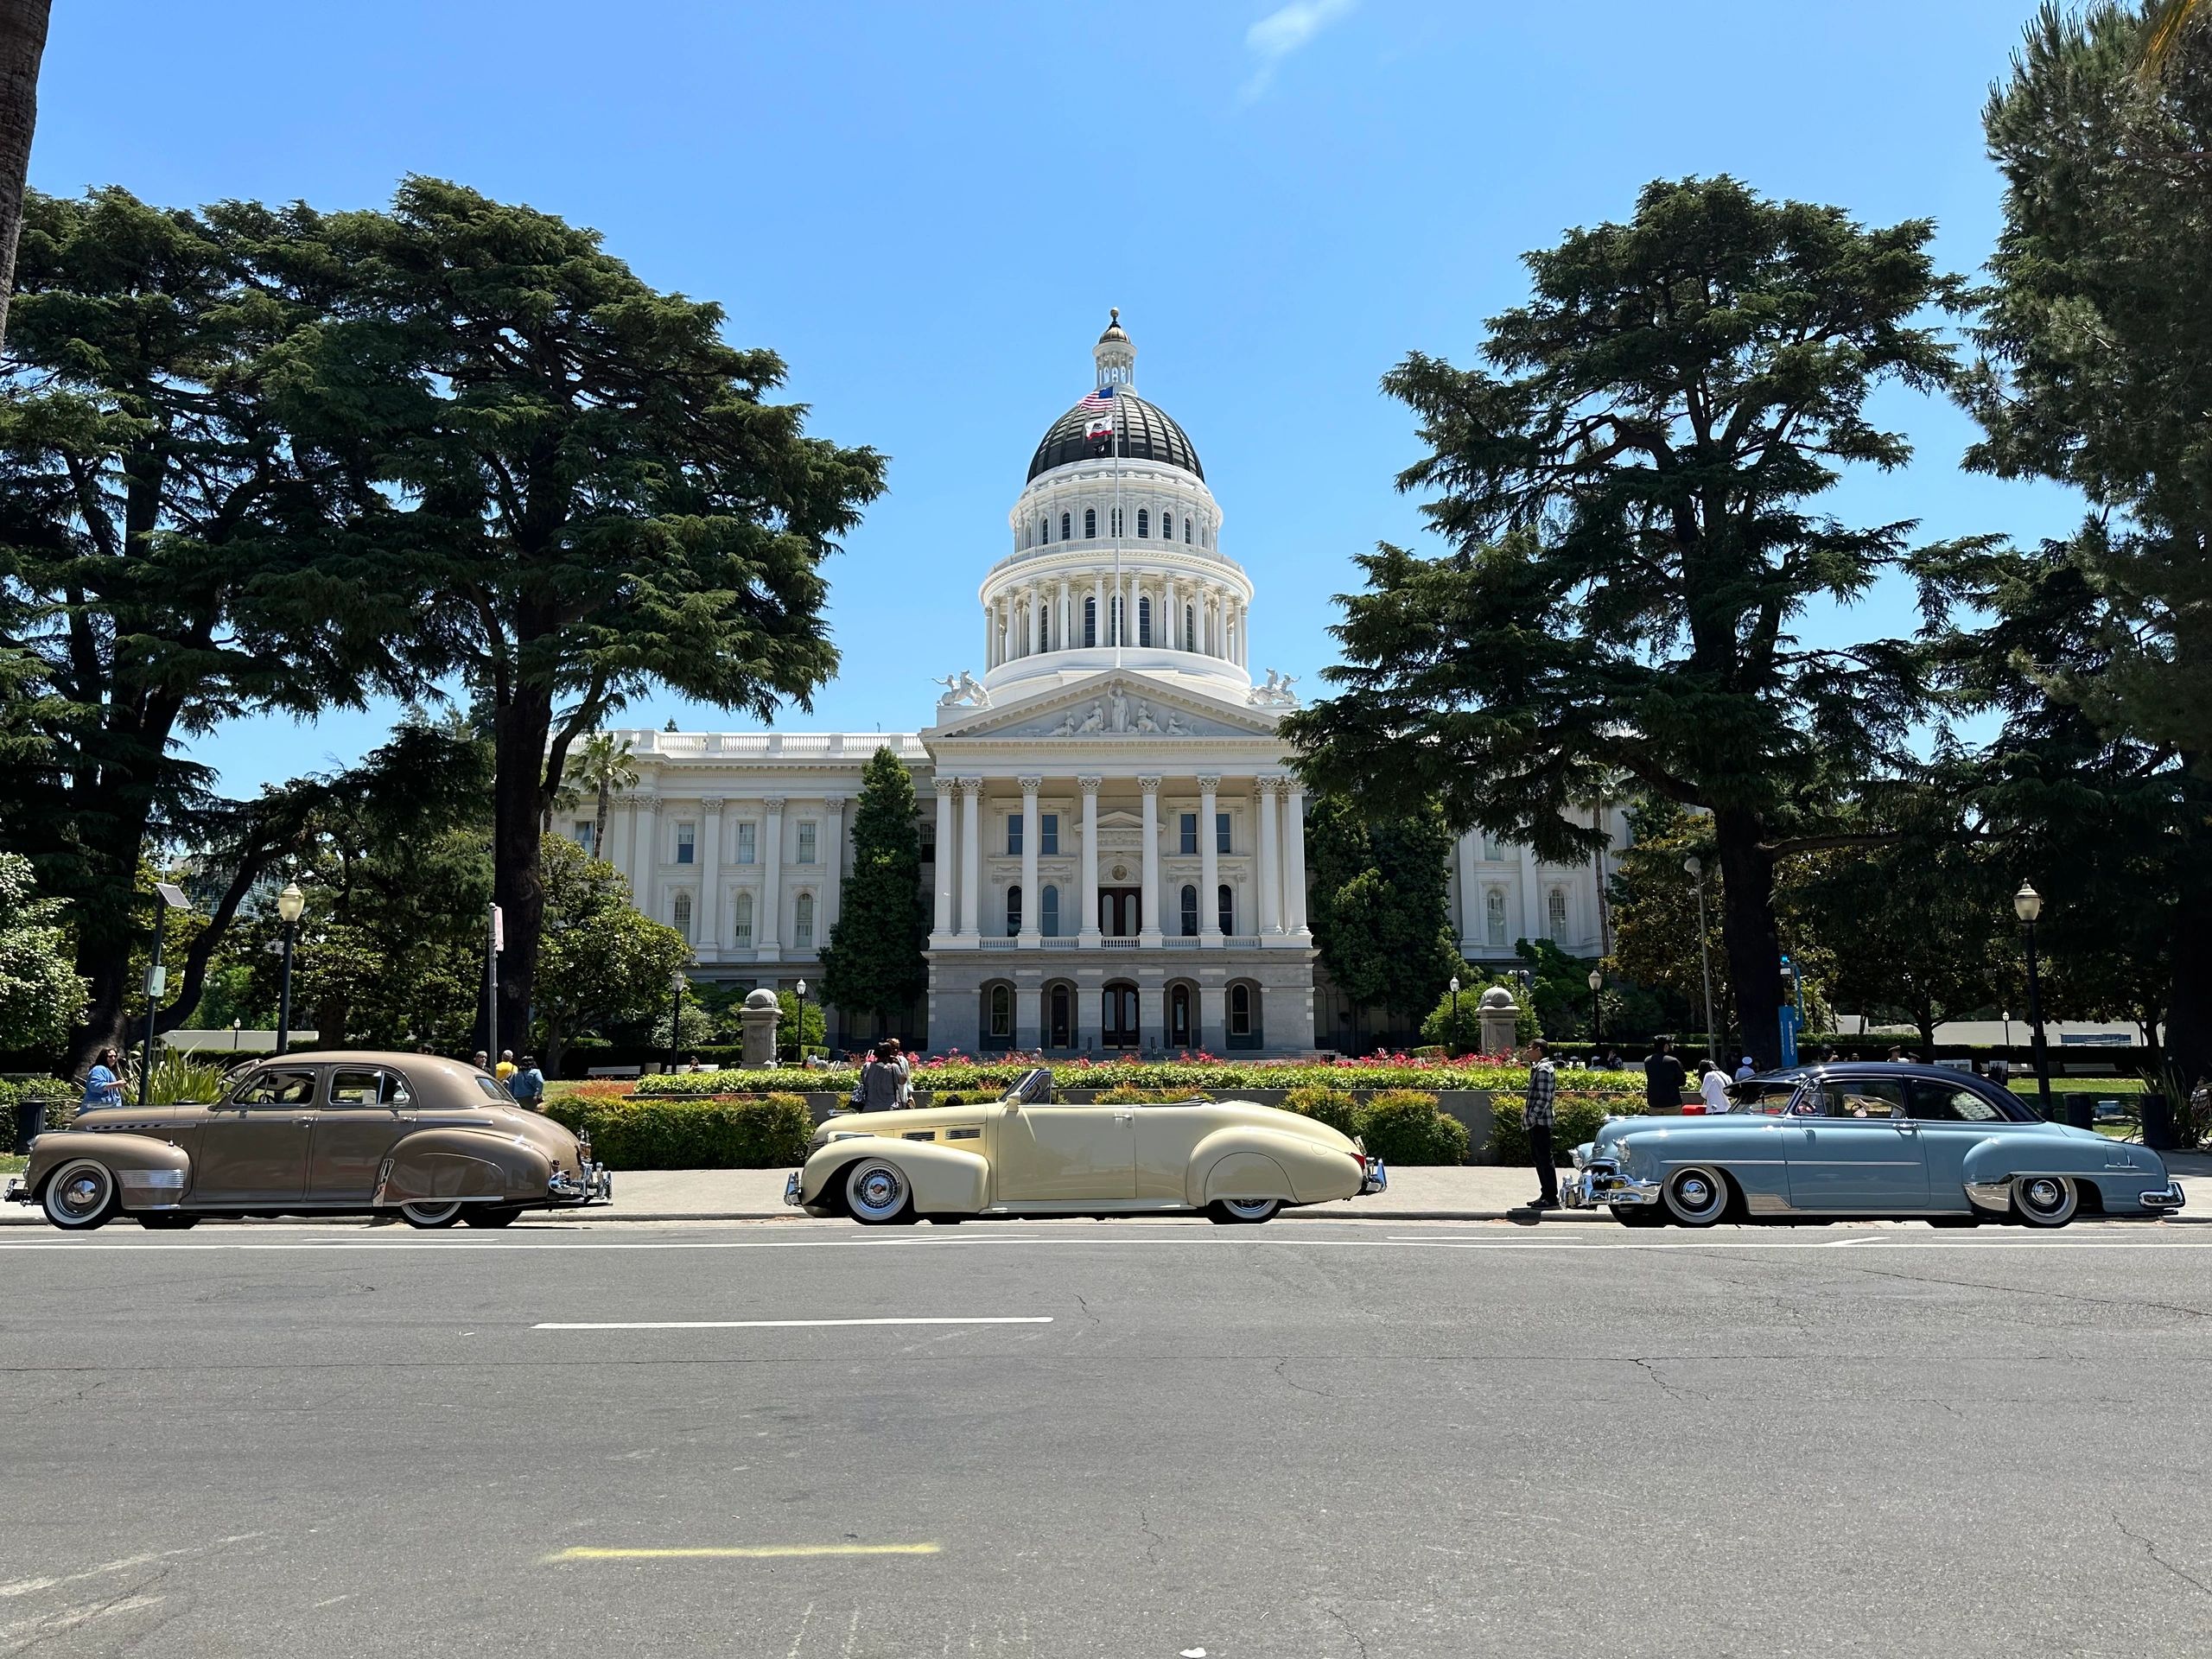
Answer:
x=1147 y=434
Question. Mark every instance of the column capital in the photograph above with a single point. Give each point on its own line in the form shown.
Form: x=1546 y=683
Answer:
x=1030 y=786
x=1089 y=785
x=711 y=805
x=773 y=802
x=650 y=803
x=834 y=802
x=971 y=786
x=1209 y=781
x=1269 y=782
x=944 y=785
x=1149 y=785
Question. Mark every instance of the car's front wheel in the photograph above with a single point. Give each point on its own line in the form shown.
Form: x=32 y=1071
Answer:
x=430 y=1216
x=2044 y=1200
x=80 y=1196
x=878 y=1194
x=1696 y=1197
x=491 y=1215
x=1241 y=1213
x=1638 y=1215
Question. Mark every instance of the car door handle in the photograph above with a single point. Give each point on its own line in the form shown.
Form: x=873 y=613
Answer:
x=303 y=1119
x=1124 y=1118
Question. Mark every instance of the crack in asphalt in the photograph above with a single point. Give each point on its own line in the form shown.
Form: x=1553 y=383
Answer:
x=1356 y=1639
x=1283 y=1375
x=2150 y=1548
x=1083 y=1302
x=1650 y=1368
x=129 y=1599
x=1152 y=1550
x=2024 y=1290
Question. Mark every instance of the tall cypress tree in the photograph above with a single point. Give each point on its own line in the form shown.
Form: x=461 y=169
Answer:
x=873 y=962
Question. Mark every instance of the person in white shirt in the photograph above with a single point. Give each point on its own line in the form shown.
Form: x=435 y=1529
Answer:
x=1714 y=1088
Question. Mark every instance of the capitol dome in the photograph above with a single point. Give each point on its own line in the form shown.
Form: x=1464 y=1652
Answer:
x=1148 y=433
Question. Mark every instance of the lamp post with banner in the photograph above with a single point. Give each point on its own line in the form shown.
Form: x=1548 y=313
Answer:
x=1695 y=869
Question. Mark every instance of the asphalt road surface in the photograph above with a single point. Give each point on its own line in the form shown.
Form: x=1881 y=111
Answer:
x=1341 y=1440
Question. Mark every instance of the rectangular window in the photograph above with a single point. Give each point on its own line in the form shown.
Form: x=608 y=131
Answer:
x=807 y=837
x=1187 y=835
x=686 y=842
x=929 y=841
x=1048 y=834
x=1014 y=834
x=1221 y=832
x=1491 y=850
x=585 y=829
x=748 y=843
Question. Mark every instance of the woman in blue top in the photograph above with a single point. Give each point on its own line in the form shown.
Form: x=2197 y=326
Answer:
x=102 y=1086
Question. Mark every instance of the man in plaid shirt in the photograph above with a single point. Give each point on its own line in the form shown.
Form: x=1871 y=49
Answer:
x=1536 y=1114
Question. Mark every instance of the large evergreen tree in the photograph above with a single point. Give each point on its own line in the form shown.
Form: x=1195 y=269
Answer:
x=159 y=547
x=588 y=491
x=873 y=962
x=1628 y=493
x=2097 y=327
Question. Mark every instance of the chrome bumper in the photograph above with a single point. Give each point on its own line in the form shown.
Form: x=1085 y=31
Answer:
x=1596 y=1184
x=17 y=1192
x=595 y=1185
x=1377 y=1179
x=2169 y=1197
x=790 y=1189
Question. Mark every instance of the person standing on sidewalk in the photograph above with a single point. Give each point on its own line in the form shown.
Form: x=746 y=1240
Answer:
x=1714 y=1088
x=102 y=1084
x=1536 y=1114
x=528 y=1085
x=1662 y=1077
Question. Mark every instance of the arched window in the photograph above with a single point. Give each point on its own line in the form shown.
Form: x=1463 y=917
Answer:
x=679 y=915
x=1190 y=627
x=1090 y=621
x=1225 y=902
x=1243 y=1016
x=1187 y=532
x=1090 y=523
x=1494 y=916
x=1061 y=1016
x=802 y=919
x=1178 y=1016
x=741 y=923
x=1144 y=522
x=1044 y=531
x=1049 y=911
x=1113 y=616
x=1190 y=913
x=998 y=1016
x=1144 y=618
x=1166 y=526
x=1117 y=523
x=1066 y=528
x=1555 y=914
x=1012 y=912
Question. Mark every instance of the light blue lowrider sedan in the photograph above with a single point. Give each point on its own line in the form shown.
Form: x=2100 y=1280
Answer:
x=1862 y=1140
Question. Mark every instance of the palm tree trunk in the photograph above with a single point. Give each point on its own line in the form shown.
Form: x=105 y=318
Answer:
x=599 y=823
x=22 y=45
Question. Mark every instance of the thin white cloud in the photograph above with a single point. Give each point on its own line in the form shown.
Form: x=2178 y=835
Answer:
x=1284 y=31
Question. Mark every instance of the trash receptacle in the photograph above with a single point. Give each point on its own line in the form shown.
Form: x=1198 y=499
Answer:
x=2159 y=1123
x=30 y=1120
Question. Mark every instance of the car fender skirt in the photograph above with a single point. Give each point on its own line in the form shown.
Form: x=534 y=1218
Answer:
x=149 y=1174
x=946 y=1180
x=460 y=1164
x=1248 y=1161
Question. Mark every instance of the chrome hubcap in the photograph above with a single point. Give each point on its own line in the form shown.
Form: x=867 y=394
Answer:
x=80 y=1195
x=1696 y=1193
x=1249 y=1206
x=879 y=1189
x=2045 y=1194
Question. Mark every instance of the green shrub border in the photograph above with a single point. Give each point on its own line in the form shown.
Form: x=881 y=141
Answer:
x=737 y=1132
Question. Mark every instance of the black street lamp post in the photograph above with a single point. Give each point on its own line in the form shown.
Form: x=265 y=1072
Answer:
x=2027 y=905
x=1454 y=1045
x=675 y=1017
x=289 y=904
x=798 y=1038
x=1597 y=1009
x=167 y=896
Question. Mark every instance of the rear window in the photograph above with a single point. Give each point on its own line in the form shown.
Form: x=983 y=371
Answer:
x=497 y=1089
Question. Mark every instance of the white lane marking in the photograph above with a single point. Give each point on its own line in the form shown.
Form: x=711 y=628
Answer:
x=769 y=1325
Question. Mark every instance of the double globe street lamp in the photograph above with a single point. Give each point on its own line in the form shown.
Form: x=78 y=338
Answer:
x=291 y=904
x=2027 y=905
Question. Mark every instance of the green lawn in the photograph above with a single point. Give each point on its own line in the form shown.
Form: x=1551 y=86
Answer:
x=2105 y=1088
x=11 y=1163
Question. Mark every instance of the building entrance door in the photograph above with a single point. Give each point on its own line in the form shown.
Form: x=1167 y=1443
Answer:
x=1119 y=909
x=1117 y=1017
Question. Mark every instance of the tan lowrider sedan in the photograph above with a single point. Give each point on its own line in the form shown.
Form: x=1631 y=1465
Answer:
x=1025 y=1156
x=432 y=1140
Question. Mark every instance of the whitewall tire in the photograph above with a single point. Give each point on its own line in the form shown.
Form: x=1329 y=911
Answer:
x=878 y=1193
x=2044 y=1200
x=1697 y=1196
x=1242 y=1212
x=80 y=1195
x=430 y=1217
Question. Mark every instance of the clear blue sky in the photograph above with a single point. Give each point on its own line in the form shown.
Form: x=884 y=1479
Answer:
x=927 y=210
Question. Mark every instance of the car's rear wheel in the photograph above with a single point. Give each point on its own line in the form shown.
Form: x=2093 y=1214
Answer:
x=1242 y=1212
x=878 y=1194
x=491 y=1215
x=430 y=1216
x=80 y=1196
x=2044 y=1200
x=1638 y=1215
x=1696 y=1197
x=166 y=1221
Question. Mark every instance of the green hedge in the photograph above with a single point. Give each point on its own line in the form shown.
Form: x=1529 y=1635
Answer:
x=758 y=1131
x=61 y=1098
x=1575 y=1120
x=1334 y=1107
x=1181 y=1078
x=1402 y=1126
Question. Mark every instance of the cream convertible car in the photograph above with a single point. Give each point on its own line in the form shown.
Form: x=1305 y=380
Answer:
x=1025 y=1156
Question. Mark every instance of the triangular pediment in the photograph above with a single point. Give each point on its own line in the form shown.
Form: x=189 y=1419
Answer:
x=1111 y=707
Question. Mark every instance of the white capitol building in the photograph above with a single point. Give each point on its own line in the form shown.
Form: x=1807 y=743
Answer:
x=1116 y=853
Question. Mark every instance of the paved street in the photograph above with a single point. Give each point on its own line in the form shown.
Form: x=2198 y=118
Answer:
x=1328 y=1439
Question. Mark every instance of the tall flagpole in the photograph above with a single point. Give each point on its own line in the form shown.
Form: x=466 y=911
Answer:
x=1120 y=610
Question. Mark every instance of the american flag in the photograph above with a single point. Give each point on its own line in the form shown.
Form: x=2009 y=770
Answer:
x=1099 y=401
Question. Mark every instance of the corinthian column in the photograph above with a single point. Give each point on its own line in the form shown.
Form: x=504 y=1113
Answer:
x=1209 y=862
x=945 y=786
x=1149 y=905
x=1090 y=788
x=1032 y=904
x=1270 y=866
x=971 y=855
